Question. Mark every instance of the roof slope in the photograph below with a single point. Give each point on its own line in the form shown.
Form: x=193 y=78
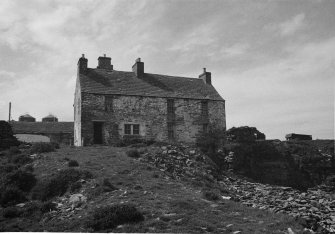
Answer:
x=41 y=127
x=126 y=83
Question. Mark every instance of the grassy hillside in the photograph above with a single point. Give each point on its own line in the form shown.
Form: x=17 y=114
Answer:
x=170 y=200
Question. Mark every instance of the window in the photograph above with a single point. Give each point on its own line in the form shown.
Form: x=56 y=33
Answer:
x=170 y=106
x=127 y=129
x=170 y=130
x=205 y=127
x=108 y=103
x=131 y=129
x=170 y=110
x=204 y=108
x=136 y=129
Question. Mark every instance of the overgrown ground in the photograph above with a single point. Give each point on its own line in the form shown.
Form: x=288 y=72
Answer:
x=167 y=205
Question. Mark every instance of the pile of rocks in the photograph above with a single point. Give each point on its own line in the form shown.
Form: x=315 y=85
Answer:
x=315 y=207
x=180 y=161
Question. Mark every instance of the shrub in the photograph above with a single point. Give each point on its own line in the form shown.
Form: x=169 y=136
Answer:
x=11 y=212
x=57 y=185
x=55 y=145
x=75 y=187
x=109 y=217
x=47 y=207
x=133 y=153
x=6 y=136
x=42 y=147
x=211 y=195
x=73 y=163
x=20 y=159
x=13 y=150
x=7 y=168
x=22 y=179
x=210 y=141
x=11 y=196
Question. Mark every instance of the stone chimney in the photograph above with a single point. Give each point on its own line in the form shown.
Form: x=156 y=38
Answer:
x=105 y=63
x=82 y=64
x=138 y=68
x=206 y=77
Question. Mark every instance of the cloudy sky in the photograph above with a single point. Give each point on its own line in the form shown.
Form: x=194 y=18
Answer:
x=272 y=61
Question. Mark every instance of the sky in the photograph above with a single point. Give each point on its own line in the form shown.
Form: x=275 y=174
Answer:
x=272 y=61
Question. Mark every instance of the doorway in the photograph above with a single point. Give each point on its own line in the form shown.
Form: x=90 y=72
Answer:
x=97 y=132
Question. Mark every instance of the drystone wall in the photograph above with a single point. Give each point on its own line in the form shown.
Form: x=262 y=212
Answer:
x=151 y=115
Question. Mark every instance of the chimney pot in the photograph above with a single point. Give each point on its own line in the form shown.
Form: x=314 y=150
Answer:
x=204 y=69
x=138 y=60
x=104 y=55
x=83 y=55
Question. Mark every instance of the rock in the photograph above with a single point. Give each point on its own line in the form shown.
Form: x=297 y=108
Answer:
x=77 y=199
x=289 y=231
x=21 y=205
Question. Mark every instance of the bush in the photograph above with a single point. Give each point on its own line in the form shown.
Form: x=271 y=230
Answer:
x=20 y=159
x=22 y=179
x=13 y=150
x=111 y=216
x=48 y=206
x=7 y=138
x=11 y=212
x=210 y=141
x=73 y=163
x=133 y=153
x=42 y=147
x=11 y=196
x=57 y=185
x=211 y=195
x=55 y=145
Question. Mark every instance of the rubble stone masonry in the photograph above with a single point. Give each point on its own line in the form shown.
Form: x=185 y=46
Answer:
x=150 y=113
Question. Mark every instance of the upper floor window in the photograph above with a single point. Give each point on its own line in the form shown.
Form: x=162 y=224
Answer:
x=204 y=108
x=109 y=103
x=170 y=106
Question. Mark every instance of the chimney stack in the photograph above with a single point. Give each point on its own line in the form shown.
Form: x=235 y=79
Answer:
x=105 y=63
x=206 y=77
x=138 y=68
x=82 y=64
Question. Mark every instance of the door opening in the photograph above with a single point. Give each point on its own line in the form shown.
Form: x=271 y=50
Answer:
x=97 y=132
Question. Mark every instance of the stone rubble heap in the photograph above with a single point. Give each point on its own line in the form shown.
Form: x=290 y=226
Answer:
x=315 y=207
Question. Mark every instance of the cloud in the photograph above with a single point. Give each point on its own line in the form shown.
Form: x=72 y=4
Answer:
x=234 y=50
x=293 y=25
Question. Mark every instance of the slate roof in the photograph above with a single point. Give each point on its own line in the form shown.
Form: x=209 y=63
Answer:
x=101 y=81
x=26 y=116
x=41 y=127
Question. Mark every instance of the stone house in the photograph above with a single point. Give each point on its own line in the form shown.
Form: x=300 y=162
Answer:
x=111 y=105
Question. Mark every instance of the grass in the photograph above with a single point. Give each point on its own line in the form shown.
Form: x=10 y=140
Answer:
x=166 y=205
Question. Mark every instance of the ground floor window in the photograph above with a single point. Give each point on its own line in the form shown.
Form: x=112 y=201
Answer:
x=131 y=129
x=170 y=130
x=205 y=128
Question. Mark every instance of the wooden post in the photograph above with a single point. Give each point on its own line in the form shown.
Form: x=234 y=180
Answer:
x=10 y=109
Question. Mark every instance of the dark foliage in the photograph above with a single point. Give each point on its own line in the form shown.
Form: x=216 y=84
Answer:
x=7 y=168
x=75 y=187
x=6 y=136
x=55 y=145
x=73 y=163
x=109 y=217
x=133 y=153
x=11 y=196
x=244 y=134
x=11 y=212
x=47 y=206
x=22 y=179
x=57 y=185
x=42 y=147
x=263 y=162
x=13 y=150
x=210 y=141
x=211 y=195
x=19 y=159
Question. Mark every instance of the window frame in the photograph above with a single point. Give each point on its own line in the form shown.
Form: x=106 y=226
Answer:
x=204 y=109
x=109 y=103
x=126 y=129
x=171 y=131
x=133 y=129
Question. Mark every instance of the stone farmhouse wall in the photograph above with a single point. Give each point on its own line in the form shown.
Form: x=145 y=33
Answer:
x=149 y=112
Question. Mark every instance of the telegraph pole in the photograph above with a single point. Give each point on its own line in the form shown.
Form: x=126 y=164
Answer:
x=10 y=110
